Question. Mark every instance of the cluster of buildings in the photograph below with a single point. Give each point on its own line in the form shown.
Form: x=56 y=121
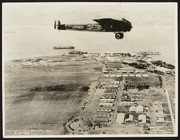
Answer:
x=135 y=114
x=123 y=72
x=106 y=105
x=133 y=95
x=130 y=110
x=109 y=57
x=141 y=61
x=162 y=118
x=42 y=62
x=160 y=112
x=116 y=64
x=53 y=61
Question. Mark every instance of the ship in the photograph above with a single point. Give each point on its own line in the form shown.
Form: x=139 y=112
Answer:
x=69 y=47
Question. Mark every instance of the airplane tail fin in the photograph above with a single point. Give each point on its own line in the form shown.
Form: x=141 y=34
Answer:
x=58 y=25
x=55 y=24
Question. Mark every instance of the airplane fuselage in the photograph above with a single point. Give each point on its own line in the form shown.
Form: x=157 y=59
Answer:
x=82 y=27
x=102 y=25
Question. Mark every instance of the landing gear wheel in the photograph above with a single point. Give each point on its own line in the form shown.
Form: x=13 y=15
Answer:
x=119 y=35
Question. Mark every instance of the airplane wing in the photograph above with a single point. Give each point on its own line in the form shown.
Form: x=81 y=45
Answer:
x=107 y=23
x=103 y=21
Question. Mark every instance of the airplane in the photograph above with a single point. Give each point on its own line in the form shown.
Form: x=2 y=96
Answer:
x=102 y=25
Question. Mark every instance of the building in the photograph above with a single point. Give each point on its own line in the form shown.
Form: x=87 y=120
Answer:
x=139 y=109
x=107 y=100
x=127 y=70
x=160 y=117
x=145 y=75
x=108 y=96
x=126 y=103
x=106 y=75
x=132 y=109
x=113 y=86
x=112 y=59
x=104 y=109
x=130 y=119
x=127 y=61
x=106 y=104
x=103 y=114
x=120 y=118
x=125 y=75
x=142 y=118
x=138 y=75
x=139 y=71
x=118 y=74
x=131 y=75
x=93 y=54
x=110 y=92
x=136 y=109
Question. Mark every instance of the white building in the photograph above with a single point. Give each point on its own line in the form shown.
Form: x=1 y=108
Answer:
x=145 y=75
x=139 y=109
x=106 y=104
x=142 y=118
x=104 y=110
x=107 y=100
x=106 y=75
x=112 y=59
x=102 y=115
x=138 y=75
x=131 y=75
x=126 y=103
x=120 y=118
x=132 y=109
x=118 y=75
x=139 y=71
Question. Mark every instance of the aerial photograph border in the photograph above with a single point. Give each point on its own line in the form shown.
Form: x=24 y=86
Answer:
x=89 y=87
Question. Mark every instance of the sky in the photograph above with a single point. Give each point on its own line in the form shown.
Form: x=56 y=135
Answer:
x=28 y=28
